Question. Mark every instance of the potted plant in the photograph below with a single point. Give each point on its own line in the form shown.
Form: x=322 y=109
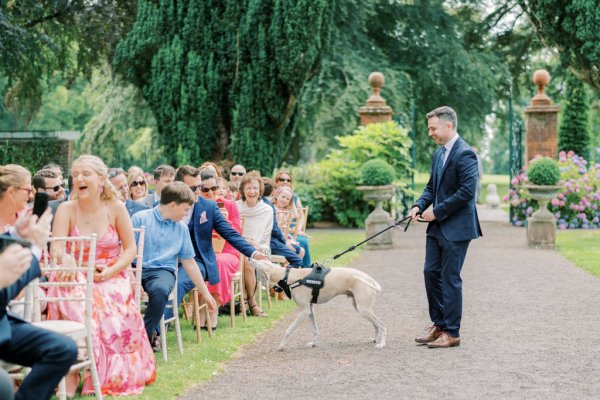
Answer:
x=377 y=176
x=543 y=175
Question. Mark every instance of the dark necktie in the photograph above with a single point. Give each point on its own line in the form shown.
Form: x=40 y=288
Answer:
x=440 y=167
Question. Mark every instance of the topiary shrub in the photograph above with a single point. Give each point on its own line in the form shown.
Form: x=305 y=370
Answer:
x=543 y=171
x=377 y=172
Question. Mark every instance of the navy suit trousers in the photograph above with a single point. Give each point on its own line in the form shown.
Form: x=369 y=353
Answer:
x=443 y=262
x=49 y=354
x=157 y=283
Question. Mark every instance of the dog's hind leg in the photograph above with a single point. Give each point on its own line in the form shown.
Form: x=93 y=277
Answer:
x=315 y=328
x=288 y=332
x=364 y=306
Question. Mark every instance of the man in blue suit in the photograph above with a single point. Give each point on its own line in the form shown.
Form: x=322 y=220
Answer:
x=453 y=223
x=206 y=216
x=49 y=354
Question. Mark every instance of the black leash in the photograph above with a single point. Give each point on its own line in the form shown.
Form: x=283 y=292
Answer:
x=402 y=224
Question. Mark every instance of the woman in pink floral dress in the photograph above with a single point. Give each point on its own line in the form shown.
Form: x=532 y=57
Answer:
x=124 y=358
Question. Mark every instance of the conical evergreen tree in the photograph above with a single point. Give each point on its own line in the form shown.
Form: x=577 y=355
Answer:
x=224 y=75
x=574 y=128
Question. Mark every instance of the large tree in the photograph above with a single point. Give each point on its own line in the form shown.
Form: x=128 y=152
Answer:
x=225 y=75
x=41 y=37
x=574 y=128
x=573 y=28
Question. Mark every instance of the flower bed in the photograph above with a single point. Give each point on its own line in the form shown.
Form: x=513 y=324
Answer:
x=577 y=206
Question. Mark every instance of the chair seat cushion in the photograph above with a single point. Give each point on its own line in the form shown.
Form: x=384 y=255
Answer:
x=61 y=326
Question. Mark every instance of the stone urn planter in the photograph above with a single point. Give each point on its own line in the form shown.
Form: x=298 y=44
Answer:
x=541 y=226
x=379 y=219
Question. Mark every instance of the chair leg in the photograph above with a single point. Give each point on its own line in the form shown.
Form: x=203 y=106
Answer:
x=177 y=324
x=207 y=317
x=243 y=300
x=196 y=310
x=232 y=306
x=163 y=337
x=93 y=370
x=62 y=389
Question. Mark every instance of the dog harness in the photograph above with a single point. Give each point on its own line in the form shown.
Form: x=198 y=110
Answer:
x=315 y=280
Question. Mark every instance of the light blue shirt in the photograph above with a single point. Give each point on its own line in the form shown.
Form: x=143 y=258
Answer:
x=164 y=240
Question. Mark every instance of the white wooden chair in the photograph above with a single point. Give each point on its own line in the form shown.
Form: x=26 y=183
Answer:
x=136 y=272
x=77 y=331
x=237 y=286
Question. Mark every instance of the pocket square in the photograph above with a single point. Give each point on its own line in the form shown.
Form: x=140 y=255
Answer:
x=203 y=218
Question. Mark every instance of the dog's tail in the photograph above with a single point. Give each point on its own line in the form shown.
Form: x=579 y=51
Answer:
x=372 y=283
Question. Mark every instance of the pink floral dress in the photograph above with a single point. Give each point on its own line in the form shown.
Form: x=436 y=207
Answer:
x=124 y=359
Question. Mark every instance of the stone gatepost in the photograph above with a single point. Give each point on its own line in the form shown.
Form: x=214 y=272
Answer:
x=541 y=121
x=377 y=110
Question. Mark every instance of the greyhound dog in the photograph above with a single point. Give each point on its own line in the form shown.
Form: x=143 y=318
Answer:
x=351 y=282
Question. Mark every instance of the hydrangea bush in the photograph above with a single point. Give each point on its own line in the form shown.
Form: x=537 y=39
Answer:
x=577 y=206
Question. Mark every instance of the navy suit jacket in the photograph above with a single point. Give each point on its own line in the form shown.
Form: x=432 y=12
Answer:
x=206 y=217
x=9 y=293
x=133 y=206
x=455 y=188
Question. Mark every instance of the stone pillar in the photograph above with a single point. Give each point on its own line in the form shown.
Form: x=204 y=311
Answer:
x=376 y=108
x=541 y=121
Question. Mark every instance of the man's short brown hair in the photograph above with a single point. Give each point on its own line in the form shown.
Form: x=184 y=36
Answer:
x=177 y=192
x=163 y=170
x=444 y=113
x=186 y=170
x=39 y=179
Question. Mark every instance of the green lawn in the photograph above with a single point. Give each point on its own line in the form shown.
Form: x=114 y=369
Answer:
x=200 y=362
x=581 y=247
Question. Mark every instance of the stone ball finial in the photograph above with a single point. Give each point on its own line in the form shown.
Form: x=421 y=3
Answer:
x=541 y=78
x=376 y=80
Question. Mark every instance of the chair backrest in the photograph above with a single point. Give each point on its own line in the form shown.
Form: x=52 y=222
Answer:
x=136 y=272
x=284 y=220
x=301 y=224
x=53 y=263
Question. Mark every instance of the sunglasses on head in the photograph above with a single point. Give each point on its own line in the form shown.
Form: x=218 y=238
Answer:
x=56 y=188
x=206 y=190
x=284 y=179
x=138 y=183
x=112 y=172
x=238 y=173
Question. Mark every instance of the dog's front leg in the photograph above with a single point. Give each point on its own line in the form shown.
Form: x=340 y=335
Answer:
x=313 y=320
x=301 y=317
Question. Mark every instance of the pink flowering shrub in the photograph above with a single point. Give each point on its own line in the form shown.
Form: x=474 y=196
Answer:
x=577 y=206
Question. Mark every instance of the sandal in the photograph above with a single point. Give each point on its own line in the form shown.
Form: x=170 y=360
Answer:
x=260 y=313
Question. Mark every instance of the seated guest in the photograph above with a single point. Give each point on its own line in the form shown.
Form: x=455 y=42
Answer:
x=205 y=218
x=166 y=241
x=124 y=358
x=47 y=181
x=237 y=173
x=15 y=193
x=138 y=189
x=57 y=169
x=163 y=175
x=119 y=181
x=279 y=243
x=212 y=166
x=233 y=191
x=228 y=260
x=285 y=213
x=257 y=229
x=284 y=178
x=48 y=354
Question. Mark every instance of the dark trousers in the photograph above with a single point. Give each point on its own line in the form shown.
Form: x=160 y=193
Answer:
x=6 y=386
x=443 y=263
x=184 y=285
x=157 y=283
x=49 y=354
x=290 y=256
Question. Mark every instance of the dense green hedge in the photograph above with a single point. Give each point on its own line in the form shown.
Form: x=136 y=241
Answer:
x=33 y=154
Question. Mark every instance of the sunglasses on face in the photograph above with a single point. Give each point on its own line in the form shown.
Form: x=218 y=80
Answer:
x=237 y=173
x=138 y=183
x=194 y=188
x=56 y=188
x=284 y=179
x=206 y=190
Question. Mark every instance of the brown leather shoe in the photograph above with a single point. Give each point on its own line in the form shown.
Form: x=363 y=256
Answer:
x=429 y=334
x=443 y=341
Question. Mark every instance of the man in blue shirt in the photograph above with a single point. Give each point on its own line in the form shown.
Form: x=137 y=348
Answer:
x=166 y=240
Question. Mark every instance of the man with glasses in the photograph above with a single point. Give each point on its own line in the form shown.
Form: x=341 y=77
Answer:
x=119 y=180
x=47 y=181
x=237 y=173
x=206 y=216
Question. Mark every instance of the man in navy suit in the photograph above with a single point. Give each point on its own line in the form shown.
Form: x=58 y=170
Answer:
x=204 y=217
x=119 y=180
x=453 y=223
x=49 y=354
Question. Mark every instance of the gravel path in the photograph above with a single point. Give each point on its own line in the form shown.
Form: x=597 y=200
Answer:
x=529 y=328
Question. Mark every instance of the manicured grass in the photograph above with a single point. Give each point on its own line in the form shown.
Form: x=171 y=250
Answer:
x=581 y=247
x=200 y=362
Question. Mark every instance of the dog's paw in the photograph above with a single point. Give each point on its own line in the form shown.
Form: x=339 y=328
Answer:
x=311 y=344
x=380 y=345
x=281 y=348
